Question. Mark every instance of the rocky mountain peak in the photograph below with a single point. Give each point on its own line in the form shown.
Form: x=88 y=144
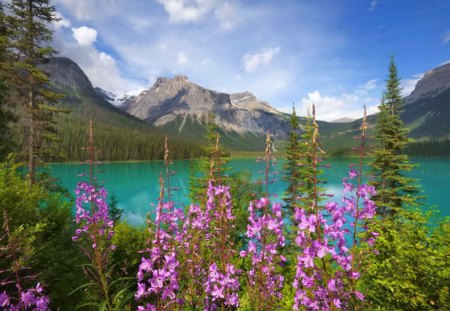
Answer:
x=432 y=83
x=170 y=100
x=177 y=81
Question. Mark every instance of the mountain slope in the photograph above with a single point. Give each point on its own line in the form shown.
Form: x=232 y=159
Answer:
x=427 y=109
x=426 y=114
x=119 y=136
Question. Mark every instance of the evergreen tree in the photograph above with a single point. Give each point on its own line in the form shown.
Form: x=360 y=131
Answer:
x=6 y=115
x=302 y=168
x=210 y=166
x=389 y=163
x=115 y=213
x=292 y=166
x=29 y=39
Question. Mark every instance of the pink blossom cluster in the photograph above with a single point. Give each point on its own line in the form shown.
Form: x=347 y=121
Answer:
x=205 y=229
x=222 y=284
x=265 y=231
x=221 y=287
x=31 y=299
x=327 y=268
x=92 y=213
x=158 y=274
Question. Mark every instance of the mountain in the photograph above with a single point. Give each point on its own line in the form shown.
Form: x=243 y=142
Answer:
x=181 y=107
x=427 y=109
x=431 y=84
x=118 y=135
x=426 y=114
x=343 y=120
x=119 y=102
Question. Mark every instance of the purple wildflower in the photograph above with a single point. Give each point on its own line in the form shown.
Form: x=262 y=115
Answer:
x=323 y=239
x=93 y=218
x=265 y=231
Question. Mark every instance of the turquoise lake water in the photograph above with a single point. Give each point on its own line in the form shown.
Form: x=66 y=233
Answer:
x=136 y=183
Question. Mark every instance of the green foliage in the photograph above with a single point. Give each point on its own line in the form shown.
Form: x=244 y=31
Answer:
x=210 y=166
x=29 y=41
x=394 y=189
x=18 y=197
x=412 y=270
x=129 y=241
x=242 y=191
x=429 y=148
x=292 y=166
x=55 y=252
x=115 y=213
x=116 y=137
x=6 y=116
x=41 y=224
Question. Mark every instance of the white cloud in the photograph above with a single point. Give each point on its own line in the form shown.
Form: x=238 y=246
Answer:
x=329 y=108
x=84 y=35
x=101 y=68
x=369 y=85
x=252 y=62
x=408 y=85
x=228 y=15
x=373 y=4
x=187 y=11
x=182 y=58
x=446 y=37
x=62 y=23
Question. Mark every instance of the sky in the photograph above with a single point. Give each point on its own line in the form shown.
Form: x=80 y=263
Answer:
x=334 y=53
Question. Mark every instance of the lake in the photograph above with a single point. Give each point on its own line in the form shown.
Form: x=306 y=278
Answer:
x=136 y=183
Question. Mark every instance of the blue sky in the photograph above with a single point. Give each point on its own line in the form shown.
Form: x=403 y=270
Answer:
x=332 y=52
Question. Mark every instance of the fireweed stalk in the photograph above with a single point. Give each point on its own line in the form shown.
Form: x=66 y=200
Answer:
x=158 y=276
x=22 y=299
x=95 y=227
x=222 y=283
x=327 y=270
x=265 y=234
x=208 y=269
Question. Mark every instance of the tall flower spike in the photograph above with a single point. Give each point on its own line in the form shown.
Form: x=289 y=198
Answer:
x=327 y=270
x=157 y=278
x=269 y=160
x=95 y=226
x=265 y=241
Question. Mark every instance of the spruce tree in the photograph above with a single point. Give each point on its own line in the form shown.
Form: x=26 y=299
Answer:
x=389 y=163
x=310 y=171
x=29 y=40
x=292 y=165
x=6 y=116
x=210 y=166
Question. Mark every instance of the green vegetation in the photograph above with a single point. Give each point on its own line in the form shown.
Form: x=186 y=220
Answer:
x=29 y=43
x=411 y=270
x=389 y=163
x=406 y=267
x=429 y=148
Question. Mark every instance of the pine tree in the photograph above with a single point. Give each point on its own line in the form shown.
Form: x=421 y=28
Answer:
x=389 y=163
x=29 y=40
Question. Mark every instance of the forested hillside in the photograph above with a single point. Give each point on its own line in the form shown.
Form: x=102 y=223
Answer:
x=118 y=135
